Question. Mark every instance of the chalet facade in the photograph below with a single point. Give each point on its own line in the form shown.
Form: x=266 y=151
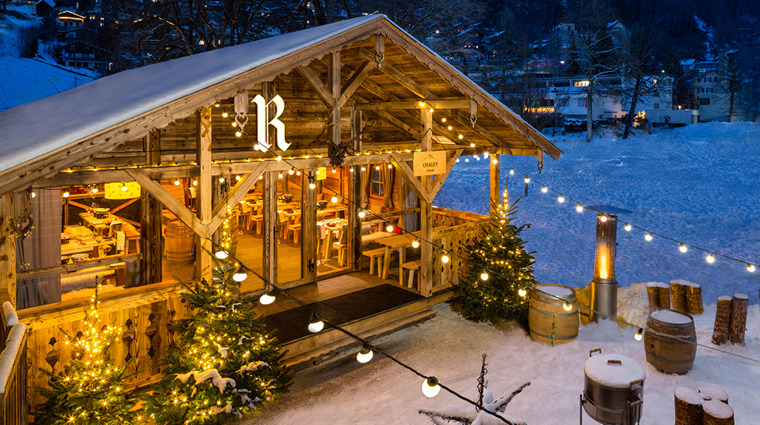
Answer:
x=84 y=55
x=300 y=156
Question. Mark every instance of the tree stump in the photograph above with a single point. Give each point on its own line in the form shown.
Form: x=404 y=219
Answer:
x=722 y=321
x=688 y=407
x=653 y=295
x=717 y=413
x=712 y=393
x=694 y=299
x=678 y=296
x=664 y=297
x=738 y=318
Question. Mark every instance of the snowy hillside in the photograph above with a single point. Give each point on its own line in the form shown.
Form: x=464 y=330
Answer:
x=697 y=184
x=24 y=80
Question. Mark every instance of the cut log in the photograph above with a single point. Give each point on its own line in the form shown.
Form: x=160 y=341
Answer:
x=688 y=407
x=664 y=297
x=694 y=299
x=713 y=393
x=653 y=295
x=738 y=318
x=722 y=321
x=678 y=296
x=717 y=413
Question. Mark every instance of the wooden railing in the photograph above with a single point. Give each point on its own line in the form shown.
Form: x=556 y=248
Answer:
x=13 y=368
x=143 y=313
x=453 y=230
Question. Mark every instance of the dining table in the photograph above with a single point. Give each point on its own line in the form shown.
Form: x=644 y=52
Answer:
x=397 y=242
x=327 y=233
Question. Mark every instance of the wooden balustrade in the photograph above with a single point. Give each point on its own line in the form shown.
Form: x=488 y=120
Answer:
x=453 y=230
x=144 y=315
x=443 y=217
x=13 y=380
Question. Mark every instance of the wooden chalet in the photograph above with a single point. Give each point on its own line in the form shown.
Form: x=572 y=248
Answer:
x=133 y=177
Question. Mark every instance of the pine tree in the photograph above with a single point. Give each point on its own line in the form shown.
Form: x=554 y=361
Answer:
x=499 y=256
x=225 y=364
x=90 y=390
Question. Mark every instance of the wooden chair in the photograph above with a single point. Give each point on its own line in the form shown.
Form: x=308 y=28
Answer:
x=342 y=246
x=412 y=266
x=244 y=218
x=257 y=218
x=294 y=227
x=378 y=254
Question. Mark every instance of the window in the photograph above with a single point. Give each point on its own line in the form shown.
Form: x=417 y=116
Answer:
x=656 y=104
x=704 y=101
x=582 y=103
x=376 y=187
x=583 y=83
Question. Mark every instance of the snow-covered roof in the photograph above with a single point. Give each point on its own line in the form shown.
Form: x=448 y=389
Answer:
x=50 y=3
x=58 y=122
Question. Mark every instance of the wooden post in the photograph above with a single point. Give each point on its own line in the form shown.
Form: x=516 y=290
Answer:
x=426 y=212
x=309 y=228
x=678 y=296
x=151 y=241
x=694 y=299
x=653 y=295
x=722 y=321
x=7 y=253
x=355 y=194
x=270 y=226
x=664 y=297
x=495 y=184
x=203 y=261
x=333 y=81
x=738 y=318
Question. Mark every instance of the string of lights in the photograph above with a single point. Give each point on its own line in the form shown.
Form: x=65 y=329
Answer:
x=628 y=226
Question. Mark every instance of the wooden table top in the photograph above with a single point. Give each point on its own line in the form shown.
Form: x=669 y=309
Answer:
x=398 y=241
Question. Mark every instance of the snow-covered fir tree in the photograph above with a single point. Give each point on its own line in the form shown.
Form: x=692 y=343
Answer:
x=500 y=273
x=224 y=364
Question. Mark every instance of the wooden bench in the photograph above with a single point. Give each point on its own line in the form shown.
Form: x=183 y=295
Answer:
x=378 y=254
x=412 y=266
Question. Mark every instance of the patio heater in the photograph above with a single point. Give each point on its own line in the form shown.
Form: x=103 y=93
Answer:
x=603 y=285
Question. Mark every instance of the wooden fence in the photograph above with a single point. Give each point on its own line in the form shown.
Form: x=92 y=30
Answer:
x=13 y=402
x=143 y=313
x=453 y=230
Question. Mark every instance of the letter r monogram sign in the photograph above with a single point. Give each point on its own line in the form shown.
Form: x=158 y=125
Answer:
x=264 y=121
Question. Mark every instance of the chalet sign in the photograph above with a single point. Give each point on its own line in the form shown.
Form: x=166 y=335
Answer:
x=429 y=163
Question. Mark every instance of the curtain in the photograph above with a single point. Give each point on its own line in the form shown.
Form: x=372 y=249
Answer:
x=389 y=181
x=366 y=183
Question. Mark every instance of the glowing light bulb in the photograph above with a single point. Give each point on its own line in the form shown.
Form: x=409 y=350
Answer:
x=450 y=127
x=176 y=182
x=279 y=158
x=65 y=194
x=603 y=218
x=225 y=115
x=365 y=354
x=544 y=189
x=221 y=179
x=467 y=160
x=561 y=199
x=390 y=165
x=443 y=119
x=362 y=214
x=511 y=171
x=234 y=124
x=639 y=334
x=472 y=145
x=445 y=258
x=430 y=387
x=256 y=147
x=389 y=228
x=422 y=104
x=334 y=171
x=237 y=178
x=291 y=172
x=751 y=268
x=279 y=176
x=267 y=298
x=682 y=248
x=364 y=168
x=495 y=161
x=94 y=190
x=124 y=187
x=527 y=180
x=195 y=182
x=484 y=276
x=239 y=277
x=460 y=137
x=432 y=110
x=221 y=255
x=351 y=170
x=648 y=237
x=579 y=208
x=710 y=259
x=628 y=227
x=377 y=167
x=33 y=194
x=416 y=243
x=238 y=134
x=334 y=199
x=567 y=306
x=315 y=324
x=312 y=185
x=522 y=292
x=485 y=155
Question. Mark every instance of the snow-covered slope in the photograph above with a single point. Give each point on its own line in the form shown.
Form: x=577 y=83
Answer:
x=699 y=184
x=23 y=80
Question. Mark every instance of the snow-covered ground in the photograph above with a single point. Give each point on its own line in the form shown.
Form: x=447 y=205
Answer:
x=698 y=184
x=24 y=80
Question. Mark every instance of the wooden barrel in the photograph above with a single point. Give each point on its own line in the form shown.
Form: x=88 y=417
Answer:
x=548 y=320
x=179 y=243
x=670 y=341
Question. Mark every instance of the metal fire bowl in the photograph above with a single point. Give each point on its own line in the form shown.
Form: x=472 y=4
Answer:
x=613 y=406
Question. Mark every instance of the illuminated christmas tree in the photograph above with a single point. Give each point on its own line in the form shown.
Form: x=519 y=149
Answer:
x=90 y=390
x=500 y=272
x=225 y=364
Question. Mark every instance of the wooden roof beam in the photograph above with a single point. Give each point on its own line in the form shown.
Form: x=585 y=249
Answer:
x=400 y=77
x=316 y=83
x=413 y=104
x=356 y=80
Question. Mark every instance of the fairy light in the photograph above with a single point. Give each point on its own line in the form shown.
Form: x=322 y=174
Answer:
x=561 y=199
x=291 y=172
x=430 y=387
x=522 y=292
x=65 y=194
x=362 y=214
x=315 y=324
x=495 y=161
x=472 y=145
x=389 y=228
x=710 y=259
x=628 y=227
x=544 y=189
x=416 y=243
x=567 y=306
x=365 y=354
x=221 y=179
x=450 y=128
x=445 y=258
x=334 y=199
x=238 y=133
x=648 y=237
x=603 y=218
x=579 y=208
x=682 y=248
x=484 y=275
x=751 y=268
x=176 y=182
x=267 y=298
x=639 y=334
x=460 y=137
x=225 y=114
x=94 y=190
x=443 y=119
